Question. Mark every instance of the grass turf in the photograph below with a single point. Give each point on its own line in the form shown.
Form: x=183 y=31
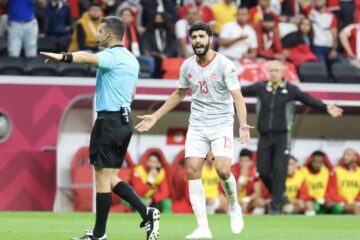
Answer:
x=60 y=226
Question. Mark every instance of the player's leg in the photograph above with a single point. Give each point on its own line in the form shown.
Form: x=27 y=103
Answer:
x=222 y=148
x=196 y=148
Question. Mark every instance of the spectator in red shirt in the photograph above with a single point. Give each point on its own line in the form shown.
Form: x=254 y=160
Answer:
x=350 y=40
x=205 y=12
x=256 y=14
x=325 y=31
x=269 y=42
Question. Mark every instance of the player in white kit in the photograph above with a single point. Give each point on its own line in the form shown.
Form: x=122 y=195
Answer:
x=215 y=88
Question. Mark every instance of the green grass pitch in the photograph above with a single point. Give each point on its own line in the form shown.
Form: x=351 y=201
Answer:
x=63 y=226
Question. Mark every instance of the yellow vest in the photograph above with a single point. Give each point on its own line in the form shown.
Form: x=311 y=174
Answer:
x=348 y=183
x=293 y=185
x=223 y=13
x=90 y=28
x=143 y=174
x=316 y=183
x=210 y=181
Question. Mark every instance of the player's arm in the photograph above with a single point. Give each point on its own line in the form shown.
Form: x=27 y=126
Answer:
x=75 y=57
x=344 y=39
x=308 y=100
x=148 y=121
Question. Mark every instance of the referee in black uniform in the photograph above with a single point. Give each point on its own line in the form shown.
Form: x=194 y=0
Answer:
x=275 y=109
x=117 y=73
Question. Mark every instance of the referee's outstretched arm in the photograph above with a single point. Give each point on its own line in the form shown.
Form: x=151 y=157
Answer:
x=75 y=57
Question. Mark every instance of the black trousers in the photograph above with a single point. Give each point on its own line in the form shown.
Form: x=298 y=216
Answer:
x=272 y=162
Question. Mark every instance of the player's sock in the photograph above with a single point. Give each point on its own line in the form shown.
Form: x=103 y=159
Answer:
x=229 y=187
x=103 y=204
x=198 y=202
x=125 y=191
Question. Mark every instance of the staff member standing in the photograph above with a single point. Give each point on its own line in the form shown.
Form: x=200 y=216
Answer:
x=275 y=119
x=117 y=73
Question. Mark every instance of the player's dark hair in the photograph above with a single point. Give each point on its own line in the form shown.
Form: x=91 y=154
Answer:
x=318 y=153
x=246 y=153
x=115 y=25
x=201 y=26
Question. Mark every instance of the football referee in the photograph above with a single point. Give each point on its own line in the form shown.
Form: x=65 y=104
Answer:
x=117 y=73
x=275 y=113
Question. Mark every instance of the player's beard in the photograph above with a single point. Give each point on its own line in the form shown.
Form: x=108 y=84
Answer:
x=203 y=53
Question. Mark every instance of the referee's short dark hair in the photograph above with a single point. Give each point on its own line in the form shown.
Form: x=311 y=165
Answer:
x=201 y=26
x=115 y=25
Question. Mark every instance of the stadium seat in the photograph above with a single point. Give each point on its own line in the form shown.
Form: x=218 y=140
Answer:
x=12 y=66
x=145 y=71
x=345 y=73
x=314 y=72
x=171 y=67
x=47 y=45
x=36 y=67
x=73 y=70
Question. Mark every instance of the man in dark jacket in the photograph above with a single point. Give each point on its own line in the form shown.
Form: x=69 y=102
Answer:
x=275 y=116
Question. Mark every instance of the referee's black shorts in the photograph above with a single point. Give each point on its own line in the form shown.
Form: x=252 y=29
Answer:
x=109 y=140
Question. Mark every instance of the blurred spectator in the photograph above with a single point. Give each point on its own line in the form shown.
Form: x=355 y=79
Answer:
x=60 y=21
x=261 y=199
x=269 y=41
x=245 y=174
x=132 y=38
x=159 y=42
x=344 y=10
x=316 y=174
x=224 y=12
x=299 y=43
x=238 y=39
x=205 y=12
x=325 y=31
x=343 y=195
x=211 y=183
x=257 y=13
x=296 y=191
x=3 y=19
x=149 y=181
x=84 y=35
x=182 y=31
x=108 y=6
x=42 y=19
x=136 y=8
x=23 y=27
x=151 y=7
x=350 y=40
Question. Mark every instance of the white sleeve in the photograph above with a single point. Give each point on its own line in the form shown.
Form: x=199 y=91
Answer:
x=230 y=76
x=183 y=81
x=253 y=38
x=226 y=31
x=180 y=29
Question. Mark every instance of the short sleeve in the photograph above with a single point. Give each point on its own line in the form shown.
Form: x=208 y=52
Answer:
x=230 y=76
x=183 y=81
x=226 y=31
x=253 y=38
x=106 y=59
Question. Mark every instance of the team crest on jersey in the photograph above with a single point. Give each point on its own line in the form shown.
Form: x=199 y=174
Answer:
x=213 y=77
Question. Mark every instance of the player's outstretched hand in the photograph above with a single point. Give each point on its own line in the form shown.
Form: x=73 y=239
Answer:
x=148 y=121
x=52 y=57
x=335 y=111
x=244 y=133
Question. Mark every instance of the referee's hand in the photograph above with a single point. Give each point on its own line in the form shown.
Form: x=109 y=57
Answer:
x=52 y=57
x=148 y=121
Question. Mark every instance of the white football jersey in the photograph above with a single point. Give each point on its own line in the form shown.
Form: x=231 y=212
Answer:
x=211 y=101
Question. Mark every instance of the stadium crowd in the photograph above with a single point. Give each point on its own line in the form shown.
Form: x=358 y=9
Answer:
x=317 y=187
x=297 y=31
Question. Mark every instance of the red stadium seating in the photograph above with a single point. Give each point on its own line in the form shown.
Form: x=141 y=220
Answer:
x=171 y=67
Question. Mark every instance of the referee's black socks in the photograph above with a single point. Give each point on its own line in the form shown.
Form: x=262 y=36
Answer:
x=103 y=204
x=125 y=191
